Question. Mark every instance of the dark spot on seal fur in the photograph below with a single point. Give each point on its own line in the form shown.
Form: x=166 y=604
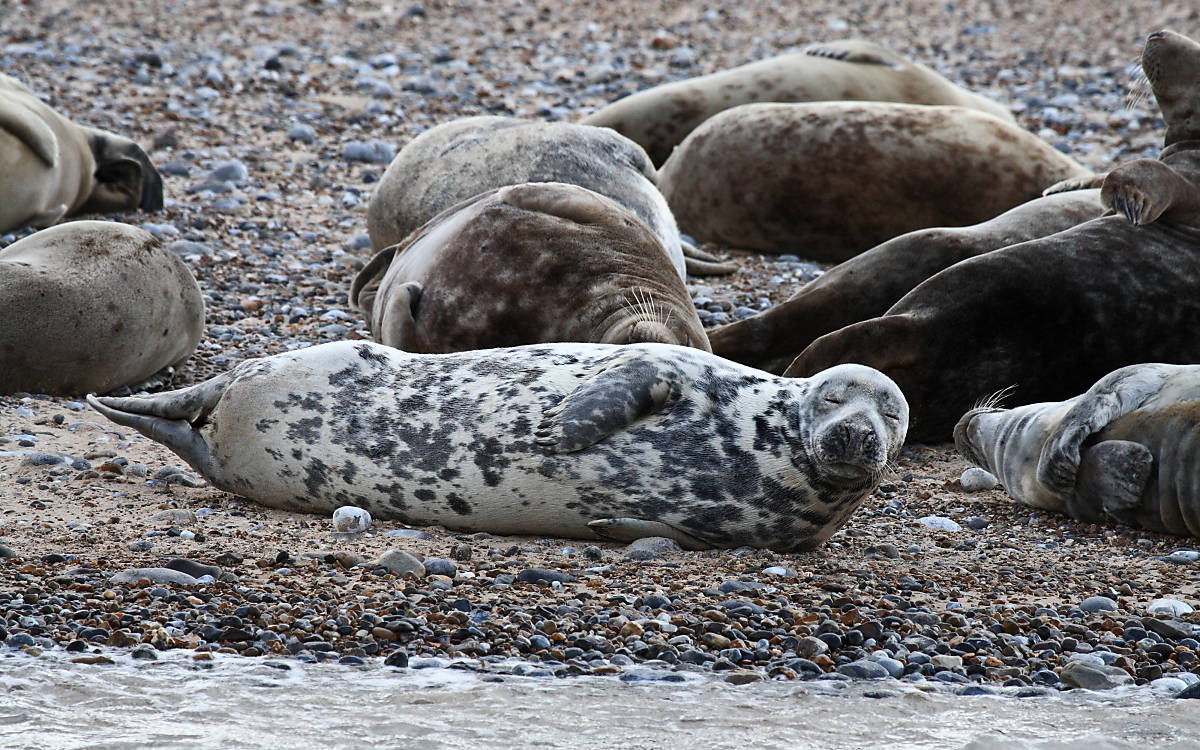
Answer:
x=307 y=431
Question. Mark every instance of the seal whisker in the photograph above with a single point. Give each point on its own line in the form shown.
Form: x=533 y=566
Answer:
x=1139 y=87
x=994 y=400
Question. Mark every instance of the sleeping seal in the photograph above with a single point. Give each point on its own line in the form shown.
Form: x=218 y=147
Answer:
x=1126 y=450
x=527 y=264
x=51 y=168
x=575 y=440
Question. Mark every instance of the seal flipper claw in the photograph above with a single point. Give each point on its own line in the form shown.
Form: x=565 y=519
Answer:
x=1076 y=183
x=606 y=403
x=1112 y=477
x=632 y=529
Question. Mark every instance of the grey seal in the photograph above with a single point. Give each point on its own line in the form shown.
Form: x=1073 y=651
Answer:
x=51 y=168
x=527 y=264
x=574 y=440
x=1127 y=450
x=93 y=306
x=458 y=160
x=660 y=118
x=1050 y=316
x=828 y=180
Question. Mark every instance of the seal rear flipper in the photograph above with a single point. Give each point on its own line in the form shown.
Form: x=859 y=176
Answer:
x=178 y=434
x=606 y=403
x=699 y=263
x=632 y=529
x=1113 y=474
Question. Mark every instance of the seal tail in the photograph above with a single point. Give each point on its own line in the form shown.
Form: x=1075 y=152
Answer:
x=172 y=418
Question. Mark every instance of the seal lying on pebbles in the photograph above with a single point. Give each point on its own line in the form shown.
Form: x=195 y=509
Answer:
x=1127 y=450
x=1050 y=316
x=458 y=160
x=575 y=440
x=868 y=284
x=659 y=118
x=527 y=264
x=93 y=306
x=831 y=179
x=51 y=168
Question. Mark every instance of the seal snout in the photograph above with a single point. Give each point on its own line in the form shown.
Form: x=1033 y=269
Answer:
x=851 y=448
x=967 y=433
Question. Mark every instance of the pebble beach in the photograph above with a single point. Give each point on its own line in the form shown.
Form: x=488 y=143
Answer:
x=272 y=122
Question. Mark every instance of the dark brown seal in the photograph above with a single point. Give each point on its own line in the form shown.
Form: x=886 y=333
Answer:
x=1049 y=317
x=527 y=264
x=831 y=179
x=659 y=118
x=51 y=168
x=868 y=284
x=93 y=306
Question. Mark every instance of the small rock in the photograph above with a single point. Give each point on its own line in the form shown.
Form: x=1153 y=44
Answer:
x=533 y=575
x=154 y=575
x=407 y=534
x=1081 y=674
x=438 y=566
x=946 y=661
x=864 y=669
x=743 y=676
x=372 y=152
x=397 y=659
x=303 y=133
x=1184 y=556
x=230 y=171
x=941 y=523
x=1175 y=630
x=1098 y=604
x=976 y=479
x=1169 y=606
x=777 y=570
x=401 y=563
x=351 y=520
x=651 y=547
x=193 y=568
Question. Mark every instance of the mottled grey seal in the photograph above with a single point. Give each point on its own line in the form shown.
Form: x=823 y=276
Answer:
x=527 y=264
x=829 y=180
x=576 y=440
x=1050 y=316
x=458 y=160
x=1126 y=450
x=51 y=168
x=868 y=284
x=93 y=306
x=658 y=119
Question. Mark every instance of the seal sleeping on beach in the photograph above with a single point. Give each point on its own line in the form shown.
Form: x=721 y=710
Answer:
x=574 y=440
x=51 y=168
x=661 y=117
x=527 y=264
x=1127 y=450
x=1050 y=316
x=458 y=160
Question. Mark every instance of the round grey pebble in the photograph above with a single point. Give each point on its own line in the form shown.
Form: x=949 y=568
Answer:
x=439 y=566
x=303 y=133
x=371 y=152
x=864 y=669
x=1098 y=604
x=533 y=575
x=975 y=479
x=231 y=171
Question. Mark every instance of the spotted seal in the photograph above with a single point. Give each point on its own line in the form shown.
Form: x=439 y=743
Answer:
x=1126 y=450
x=574 y=440
x=93 y=306
x=458 y=160
x=659 y=118
x=828 y=180
x=527 y=264
x=868 y=284
x=51 y=168
x=1050 y=316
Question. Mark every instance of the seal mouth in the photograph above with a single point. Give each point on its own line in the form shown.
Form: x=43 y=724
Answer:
x=847 y=470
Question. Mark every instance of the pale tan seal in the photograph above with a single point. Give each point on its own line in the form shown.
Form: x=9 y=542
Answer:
x=93 y=306
x=660 y=118
x=1127 y=450
x=829 y=180
x=51 y=168
x=575 y=440
x=527 y=264
x=461 y=159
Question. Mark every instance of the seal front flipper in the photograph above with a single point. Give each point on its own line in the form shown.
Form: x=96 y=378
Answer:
x=1147 y=189
x=700 y=263
x=632 y=529
x=1114 y=395
x=1112 y=477
x=1076 y=183
x=608 y=402
x=30 y=129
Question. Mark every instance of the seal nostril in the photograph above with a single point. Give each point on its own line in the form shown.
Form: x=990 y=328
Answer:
x=1156 y=35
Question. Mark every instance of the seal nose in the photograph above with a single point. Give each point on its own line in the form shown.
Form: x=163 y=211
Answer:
x=651 y=332
x=1156 y=35
x=852 y=443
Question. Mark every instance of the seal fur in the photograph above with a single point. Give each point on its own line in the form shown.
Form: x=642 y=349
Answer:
x=1127 y=450
x=829 y=180
x=51 y=168
x=93 y=306
x=575 y=440
x=1050 y=316
x=660 y=118
x=527 y=264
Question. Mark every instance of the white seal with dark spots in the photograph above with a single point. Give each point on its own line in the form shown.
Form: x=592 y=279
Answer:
x=576 y=440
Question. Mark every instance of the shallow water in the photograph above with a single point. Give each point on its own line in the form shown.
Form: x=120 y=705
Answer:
x=50 y=702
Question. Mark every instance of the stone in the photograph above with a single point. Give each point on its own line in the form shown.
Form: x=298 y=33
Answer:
x=1081 y=674
x=864 y=669
x=154 y=575
x=1098 y=604
x=351 y=520
x=401 y=563
x=940 y=523
x=534 y=575
x=976 y=479
x=1172 y=607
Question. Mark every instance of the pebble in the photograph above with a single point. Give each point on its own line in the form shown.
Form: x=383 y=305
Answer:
x=407 y=534
x=975 y=479
x=401 y=563
x=438 y=566
x=154 y=575
x=231 y=171
x=1098 y=604
x=941 y=523
x=302 y=133
x=534 y=575
x=1172 y=607
x=1081 y=674
x=1184 y=556
x=864 y=669
x=351 y=520
x=372 y=152
x=650 y=548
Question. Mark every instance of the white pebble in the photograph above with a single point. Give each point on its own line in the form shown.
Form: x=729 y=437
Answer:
x=940 y=523
x=975 y=479
x=1170 y=606
x=351 y=520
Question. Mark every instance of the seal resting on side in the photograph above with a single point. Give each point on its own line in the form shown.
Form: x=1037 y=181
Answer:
x=829 y=180
x=574 y=440
x=527 y=264
x=1127 y=450
x=93 y=306
x=1050 y=316
x=51 y=168
x=458 y=160
x=659 y=118
x=868 y=284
